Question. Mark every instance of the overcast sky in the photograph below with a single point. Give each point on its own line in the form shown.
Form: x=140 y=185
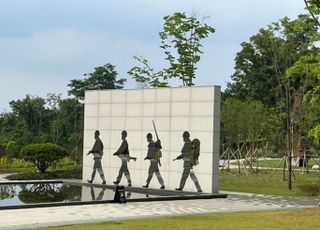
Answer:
x=46 y=43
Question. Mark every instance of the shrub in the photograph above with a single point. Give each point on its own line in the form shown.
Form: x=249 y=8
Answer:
x=43 y=155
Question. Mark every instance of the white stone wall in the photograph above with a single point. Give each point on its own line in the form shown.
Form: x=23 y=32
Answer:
x=174 y=110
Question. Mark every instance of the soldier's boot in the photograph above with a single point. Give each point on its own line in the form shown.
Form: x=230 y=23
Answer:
x=162 y=187
x=146 y=186
x=104 y=182
x=116 y=182
x=90 y=181
x=127 y=175
x=179 y=189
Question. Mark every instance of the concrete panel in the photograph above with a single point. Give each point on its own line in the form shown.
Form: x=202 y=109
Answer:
x=181 y=94
x=163 y=94
x=118 y=110
x=179 y=109
x=91 y=97
x=202 y=94
x=118 y=96
x=105 y=96
x=149 y=110
x=91 y=110
x=134 y=110
x=149 y=95
x=105 y=110
x=163 y=109
x=134 y=96
x=200 y=109
x=180 y=123
x=201 y=124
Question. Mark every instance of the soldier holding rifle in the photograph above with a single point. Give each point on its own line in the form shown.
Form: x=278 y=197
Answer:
x=123 y=154
x=153 y=156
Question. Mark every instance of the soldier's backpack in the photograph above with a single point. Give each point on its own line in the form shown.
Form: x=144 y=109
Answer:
x=158 y=150
x=194 y=151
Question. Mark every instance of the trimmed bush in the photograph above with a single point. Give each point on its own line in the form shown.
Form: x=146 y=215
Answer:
x=43 y=155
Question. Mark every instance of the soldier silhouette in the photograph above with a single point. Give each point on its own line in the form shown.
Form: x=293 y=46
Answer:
x=187 y=164
x=97 y=152
x=153 y=169
x=123 y=154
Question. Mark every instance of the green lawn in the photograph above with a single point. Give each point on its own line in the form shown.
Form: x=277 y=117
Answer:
x=274 y=185
x=276 y=163
x=287 y=219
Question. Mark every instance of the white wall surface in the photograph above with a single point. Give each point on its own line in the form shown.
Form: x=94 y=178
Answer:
x=174 y=110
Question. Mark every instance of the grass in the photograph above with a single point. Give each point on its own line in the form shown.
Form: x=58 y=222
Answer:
x=264 y=183
x=276 y=163
x=287 y=219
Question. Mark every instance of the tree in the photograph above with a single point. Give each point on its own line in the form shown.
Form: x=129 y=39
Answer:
x=146 y=75
x=306 y=71
x=181 y=38
x=261 y=65
x=104 y=77
x=43 y=155
x=313 y=6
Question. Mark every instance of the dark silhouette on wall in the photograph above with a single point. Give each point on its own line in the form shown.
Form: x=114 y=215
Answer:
x=123 y=154
x=97 y=152
x=187 y=155
x=153 y=169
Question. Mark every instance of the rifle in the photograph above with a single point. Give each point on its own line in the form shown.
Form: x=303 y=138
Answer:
x=157 y=143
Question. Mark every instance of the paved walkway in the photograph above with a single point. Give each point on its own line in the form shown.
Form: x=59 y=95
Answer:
x=55 y=216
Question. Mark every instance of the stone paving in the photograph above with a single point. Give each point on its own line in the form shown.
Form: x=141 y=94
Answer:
x=55 y=216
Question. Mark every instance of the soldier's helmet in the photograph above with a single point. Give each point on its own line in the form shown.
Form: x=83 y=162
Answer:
x=186 y=134
x=149 y=135
x=124 y=133
x=97 y=133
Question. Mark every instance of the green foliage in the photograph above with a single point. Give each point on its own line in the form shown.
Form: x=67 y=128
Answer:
x=313 y=6
x=262 y=63
x=43 y=155
x=181 y=38
x=246 y=122
x=181 y=41
x=146 y=74
x=104 y=77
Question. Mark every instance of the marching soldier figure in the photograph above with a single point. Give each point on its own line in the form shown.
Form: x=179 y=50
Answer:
x=187 y=164
x=123 y=154
x=153 y=169
x=97 y=152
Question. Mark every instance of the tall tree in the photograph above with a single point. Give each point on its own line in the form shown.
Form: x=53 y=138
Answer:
x=181 y=38
x=104 y=77
x=181 y=41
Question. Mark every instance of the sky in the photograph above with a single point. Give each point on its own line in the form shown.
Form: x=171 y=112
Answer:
x=46 y=43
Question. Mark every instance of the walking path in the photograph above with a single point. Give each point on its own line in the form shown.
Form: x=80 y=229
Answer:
x=55 y=216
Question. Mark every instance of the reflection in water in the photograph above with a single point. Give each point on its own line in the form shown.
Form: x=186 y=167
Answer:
x=7 y=191
x=42 y=193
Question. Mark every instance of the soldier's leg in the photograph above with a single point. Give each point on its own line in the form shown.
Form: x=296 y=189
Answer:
x=98 y=165
x=93 y=174
x=150 y=173
x=100 y=170
x=127 y=173
x=195 y=180
x=185 y=174
x=158 y=175
x=121 y=171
